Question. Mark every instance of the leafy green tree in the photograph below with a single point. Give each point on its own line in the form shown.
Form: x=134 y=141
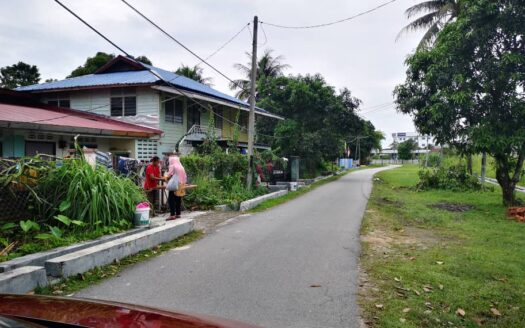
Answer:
x=268 y=66
x=318 y=122
x=100 y=59
x=144 y=60
x=405 y=149
x=195 y=73
x=92 y=64
x=467 y=90
x=436 y=14
x=18 y=75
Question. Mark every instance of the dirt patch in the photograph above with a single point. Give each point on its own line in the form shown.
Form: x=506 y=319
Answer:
x=381 y=241
x=388 y=201
x=452 y=207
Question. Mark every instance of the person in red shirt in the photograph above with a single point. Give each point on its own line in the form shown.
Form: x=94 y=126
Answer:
x=152 y=179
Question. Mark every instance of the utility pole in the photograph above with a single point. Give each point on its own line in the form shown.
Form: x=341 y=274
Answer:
x=251 y=119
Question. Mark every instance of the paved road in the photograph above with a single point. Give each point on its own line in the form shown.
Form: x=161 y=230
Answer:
x=292 y=266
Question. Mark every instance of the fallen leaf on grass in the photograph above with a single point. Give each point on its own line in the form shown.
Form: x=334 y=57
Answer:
x=427 y=312
x=460 y=312
x=412 y=258
x=406 y=310
x=379 y=306
x=397 y=279
x=439 y=262
x=427 y=289
x=403 y=320
x=416 y=292
x=495 y=312
x=441 y=287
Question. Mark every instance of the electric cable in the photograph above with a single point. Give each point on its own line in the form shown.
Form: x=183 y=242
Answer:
x=334 y=22
x=181 y=44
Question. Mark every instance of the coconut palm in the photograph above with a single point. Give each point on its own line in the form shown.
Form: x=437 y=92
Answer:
x=195 y=73
x=268 y=66
x=436 y=14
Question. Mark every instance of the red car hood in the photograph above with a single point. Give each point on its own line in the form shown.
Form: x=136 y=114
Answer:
x=91 y=313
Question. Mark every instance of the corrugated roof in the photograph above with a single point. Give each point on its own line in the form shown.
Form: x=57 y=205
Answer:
x=135 y=77
x=55 y=117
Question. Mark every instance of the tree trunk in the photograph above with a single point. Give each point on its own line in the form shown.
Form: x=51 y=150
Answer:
x=469 y=164
x=504 y=170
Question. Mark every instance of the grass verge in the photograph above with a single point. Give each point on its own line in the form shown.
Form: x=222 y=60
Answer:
x=94 y=276
x=440 y=258
x=294 y=194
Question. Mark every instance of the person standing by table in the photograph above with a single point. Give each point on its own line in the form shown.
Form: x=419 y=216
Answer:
x=153 y=177
x=175 y=197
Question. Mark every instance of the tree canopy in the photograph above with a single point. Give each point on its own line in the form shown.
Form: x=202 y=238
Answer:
x=468 y=90
x=319 y=120
x=195 y=73
x=405 y=149
x=436 y=14
x=18 y=75
x=92 y=64
x=268 y=65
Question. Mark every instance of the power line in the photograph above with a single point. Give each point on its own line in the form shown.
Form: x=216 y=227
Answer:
x=91 y=27
x=379 y=109
x=68 y=115
x=334 y=22
x=226 y=43
x=180 y=44
x=376 y=106
x=150 y=70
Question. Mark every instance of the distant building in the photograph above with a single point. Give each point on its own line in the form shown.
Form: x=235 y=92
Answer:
x=423 y=141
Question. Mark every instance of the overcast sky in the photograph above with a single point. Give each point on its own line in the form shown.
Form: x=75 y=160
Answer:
x=361 y=54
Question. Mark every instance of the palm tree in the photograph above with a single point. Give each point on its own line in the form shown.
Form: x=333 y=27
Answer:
x=437 y=13
x=195 y=73
x=268 y=66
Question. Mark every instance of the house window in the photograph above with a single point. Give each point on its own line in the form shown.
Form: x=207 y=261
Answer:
x=146 y=149
x=123 y=102
x=173 y=111
x=59 y=101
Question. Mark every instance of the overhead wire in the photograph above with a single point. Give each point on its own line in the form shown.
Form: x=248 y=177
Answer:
x=333 y=22
x=171 y=37
x=208 y=108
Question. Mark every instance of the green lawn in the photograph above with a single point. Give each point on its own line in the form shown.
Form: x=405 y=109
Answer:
x=422 y=263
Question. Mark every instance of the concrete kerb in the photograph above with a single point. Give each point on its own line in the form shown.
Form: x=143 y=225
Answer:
x=38 y=259
x=251 y=203
x=22 y=280
x=103 y=254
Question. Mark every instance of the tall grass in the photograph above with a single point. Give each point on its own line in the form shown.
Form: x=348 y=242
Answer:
x=95 y=196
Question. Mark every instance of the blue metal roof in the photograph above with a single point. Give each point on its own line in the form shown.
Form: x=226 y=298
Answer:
x=135 y=77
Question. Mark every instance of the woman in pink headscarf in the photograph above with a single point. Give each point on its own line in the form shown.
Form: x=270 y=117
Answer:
x=175 y=197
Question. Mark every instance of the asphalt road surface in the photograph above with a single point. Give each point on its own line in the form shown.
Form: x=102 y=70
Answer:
x=292 y=266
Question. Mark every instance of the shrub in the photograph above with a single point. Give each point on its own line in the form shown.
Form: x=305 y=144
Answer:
x=433 y=160
x=450 y=178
